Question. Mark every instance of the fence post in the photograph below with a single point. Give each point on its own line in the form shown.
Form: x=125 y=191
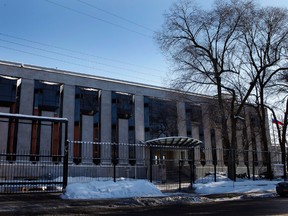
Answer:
x=192 y=167
x=284 y=165
x=214 y=158
x=180 y=163
x=253 y=164
x=151 y=162
x=114 y=161
x=65 y=162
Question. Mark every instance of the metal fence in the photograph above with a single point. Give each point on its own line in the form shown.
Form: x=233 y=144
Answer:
x=46 y=169
x=168 y=168
x=41 y=168
x=24 y=175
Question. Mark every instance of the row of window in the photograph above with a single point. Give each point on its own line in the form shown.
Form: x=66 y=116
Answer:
x=160 y=116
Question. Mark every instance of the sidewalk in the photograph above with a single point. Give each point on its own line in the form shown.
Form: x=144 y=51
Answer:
x=51 y=203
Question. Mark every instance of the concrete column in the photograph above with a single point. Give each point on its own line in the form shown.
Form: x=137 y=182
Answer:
x=195 y=135
x=123 y=130
x=206 y=127
x=87 y=138
x=181 y=119
x=268 y=134
x=219 y=146
x=45 y=136
x=181 y=126
x=207 y=134
x=4 y=126
x=259 y=148
x=68 y=112
x=240 y=146
x=139 y=119
x=106 y=126
x=139 y=128
x=26 y=107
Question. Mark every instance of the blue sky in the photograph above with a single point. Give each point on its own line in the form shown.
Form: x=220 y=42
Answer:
x=111 y=38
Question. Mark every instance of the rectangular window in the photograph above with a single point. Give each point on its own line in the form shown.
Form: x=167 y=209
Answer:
x=87 y=102
x=47 y=96
x=160 y=118
x=8 y=90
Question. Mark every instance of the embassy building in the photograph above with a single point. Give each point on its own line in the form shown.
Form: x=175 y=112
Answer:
x=103 y=110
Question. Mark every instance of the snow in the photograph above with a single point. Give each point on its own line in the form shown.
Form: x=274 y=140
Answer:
x=131 y=188
x=107 y=189
x=224 y=185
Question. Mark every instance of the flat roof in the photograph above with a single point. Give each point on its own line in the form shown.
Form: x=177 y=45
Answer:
x=84 y=75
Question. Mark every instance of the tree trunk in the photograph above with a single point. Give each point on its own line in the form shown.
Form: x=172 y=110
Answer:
x=262 y=115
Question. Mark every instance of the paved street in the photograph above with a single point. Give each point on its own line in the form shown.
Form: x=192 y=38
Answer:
x=51 y=204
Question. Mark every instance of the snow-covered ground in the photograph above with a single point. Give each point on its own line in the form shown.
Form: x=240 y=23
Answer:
x=107 y=189
x=130 y=188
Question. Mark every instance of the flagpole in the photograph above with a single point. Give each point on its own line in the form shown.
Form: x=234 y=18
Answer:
x=273 y=129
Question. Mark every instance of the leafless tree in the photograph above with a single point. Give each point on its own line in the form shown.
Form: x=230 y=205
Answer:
x=265 y=37
x=279 y=109
x=221 y=50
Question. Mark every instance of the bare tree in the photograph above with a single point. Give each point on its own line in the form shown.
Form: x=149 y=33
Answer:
x=280 y=106
x=215 y=50
x=265 y=37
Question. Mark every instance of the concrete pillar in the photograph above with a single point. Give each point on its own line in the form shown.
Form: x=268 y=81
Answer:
x=26 y=107
x=4 y=126
x=182 y=129
x=139 y=128
x=181 y=119
x=139 y=119
x=240 y=146
x=45 y=136
x=219 y=146
x=195 y=135
x=207 y=134
x=206 y=127
x=106 y=126
x=259 y=148
x=87 y=138
x=123 y=130
x=68 y=112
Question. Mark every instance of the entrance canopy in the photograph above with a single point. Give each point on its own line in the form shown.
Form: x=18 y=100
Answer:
x=174 y=142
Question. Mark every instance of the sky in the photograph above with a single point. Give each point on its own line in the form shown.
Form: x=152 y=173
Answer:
x=109 y=38
x=131 y=188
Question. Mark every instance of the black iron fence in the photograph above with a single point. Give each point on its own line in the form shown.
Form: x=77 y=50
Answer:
x=52 y=161
x=24 y=175
x=169 y=168
x=42 y=167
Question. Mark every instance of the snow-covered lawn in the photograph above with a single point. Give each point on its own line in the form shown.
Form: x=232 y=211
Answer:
x=130 y=188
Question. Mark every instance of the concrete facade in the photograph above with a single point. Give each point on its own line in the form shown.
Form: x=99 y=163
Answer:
x=88 y=132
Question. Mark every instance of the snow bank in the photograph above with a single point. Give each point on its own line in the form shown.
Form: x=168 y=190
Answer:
x=109 y=189
x=101 y=188
x=224 y=185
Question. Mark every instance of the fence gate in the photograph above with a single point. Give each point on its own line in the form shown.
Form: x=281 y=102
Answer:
x=33 y=153
x=174 y=172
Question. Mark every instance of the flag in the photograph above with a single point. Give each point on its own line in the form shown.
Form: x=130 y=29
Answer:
x=275 y=121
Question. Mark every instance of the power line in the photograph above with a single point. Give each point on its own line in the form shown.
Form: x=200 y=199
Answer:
x=115 y=15
x=97 y=18
x=73 y=63
x=81 y=53
x=78 y=58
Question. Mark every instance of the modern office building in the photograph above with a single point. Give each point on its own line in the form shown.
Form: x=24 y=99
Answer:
x=102 y=110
